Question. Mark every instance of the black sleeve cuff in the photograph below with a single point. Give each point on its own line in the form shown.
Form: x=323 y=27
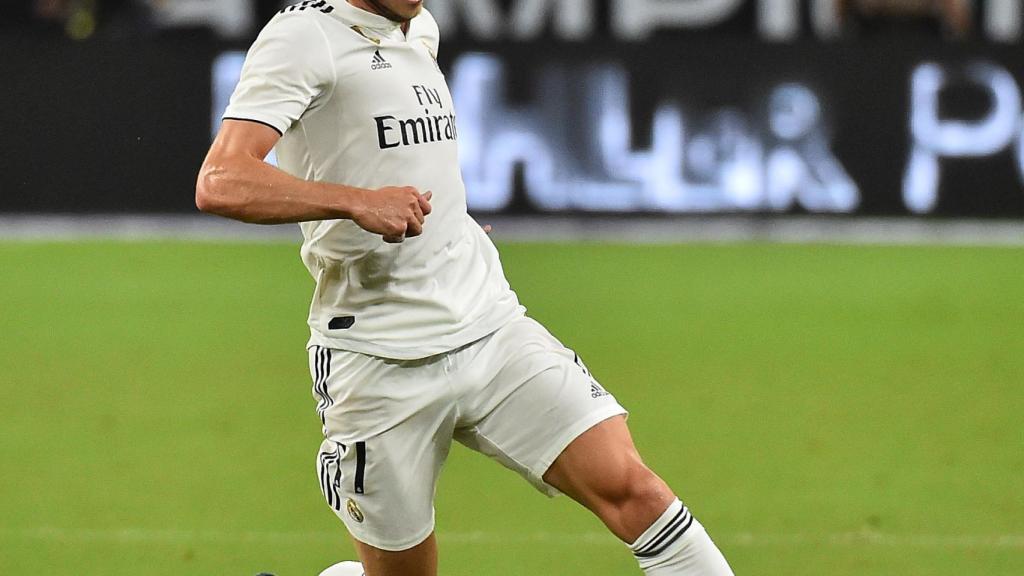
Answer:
x=272 y=127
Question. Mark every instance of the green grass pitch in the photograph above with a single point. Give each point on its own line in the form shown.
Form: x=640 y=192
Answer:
x=841 y=411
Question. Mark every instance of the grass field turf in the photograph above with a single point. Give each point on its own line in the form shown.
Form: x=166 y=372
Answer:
x=843 y=411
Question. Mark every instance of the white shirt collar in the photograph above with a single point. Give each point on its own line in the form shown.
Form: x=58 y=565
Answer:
x=364 y=19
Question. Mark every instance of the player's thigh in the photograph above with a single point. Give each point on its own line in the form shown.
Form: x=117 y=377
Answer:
x=537 y=398
x=602 y=470
x=388 y=428
x=603 y=455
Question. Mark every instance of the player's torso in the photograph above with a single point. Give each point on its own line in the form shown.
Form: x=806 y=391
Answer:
x=388 y=120
x=388 y=116
x=396 y=101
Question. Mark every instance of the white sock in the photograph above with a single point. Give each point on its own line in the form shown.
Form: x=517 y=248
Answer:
x=344 y=569
x=677 y=545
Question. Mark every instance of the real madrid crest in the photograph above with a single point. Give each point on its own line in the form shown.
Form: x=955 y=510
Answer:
x=354 y=511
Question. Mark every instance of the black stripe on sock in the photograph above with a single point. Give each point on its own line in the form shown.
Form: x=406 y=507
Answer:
x=670 y=541
x=677 y=519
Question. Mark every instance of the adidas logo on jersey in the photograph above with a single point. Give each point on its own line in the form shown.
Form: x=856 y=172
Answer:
x=379 y=63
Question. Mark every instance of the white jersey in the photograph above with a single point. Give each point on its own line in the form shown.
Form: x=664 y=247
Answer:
x=358 y=102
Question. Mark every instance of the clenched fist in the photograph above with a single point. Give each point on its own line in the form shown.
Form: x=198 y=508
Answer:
x=394 y=212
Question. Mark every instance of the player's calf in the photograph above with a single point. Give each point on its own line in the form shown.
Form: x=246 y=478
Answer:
x=602 y=470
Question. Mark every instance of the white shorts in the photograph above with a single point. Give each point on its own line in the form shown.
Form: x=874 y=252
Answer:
x=518 y=396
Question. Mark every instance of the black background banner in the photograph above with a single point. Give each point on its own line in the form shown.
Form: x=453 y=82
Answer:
x=104 y=126
x=122 y=126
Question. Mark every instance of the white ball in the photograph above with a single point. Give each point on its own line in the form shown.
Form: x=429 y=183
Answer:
x=344 y=569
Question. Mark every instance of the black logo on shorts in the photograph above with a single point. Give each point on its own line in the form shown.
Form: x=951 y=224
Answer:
x=596 y=390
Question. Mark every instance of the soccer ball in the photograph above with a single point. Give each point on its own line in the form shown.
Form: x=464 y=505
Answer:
x=344 y=569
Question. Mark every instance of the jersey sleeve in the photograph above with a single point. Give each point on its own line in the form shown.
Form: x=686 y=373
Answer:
x=288 y=70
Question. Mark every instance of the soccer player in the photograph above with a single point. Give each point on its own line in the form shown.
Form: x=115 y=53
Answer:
x=416 y=337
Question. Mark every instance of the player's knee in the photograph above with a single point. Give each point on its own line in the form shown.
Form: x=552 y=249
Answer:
x=632 y=485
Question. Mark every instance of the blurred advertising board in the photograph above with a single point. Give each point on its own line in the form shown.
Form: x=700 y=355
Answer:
x=562 y=113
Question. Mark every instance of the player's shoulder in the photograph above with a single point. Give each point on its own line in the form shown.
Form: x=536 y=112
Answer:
x=298 y=19
x=310 y=8
x=427 y=29
x=428 y=21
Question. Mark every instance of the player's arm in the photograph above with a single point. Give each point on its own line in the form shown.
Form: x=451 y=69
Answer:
x=236 y=183
x=289 y=70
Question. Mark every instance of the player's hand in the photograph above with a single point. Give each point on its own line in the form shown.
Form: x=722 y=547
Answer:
x=394 y=212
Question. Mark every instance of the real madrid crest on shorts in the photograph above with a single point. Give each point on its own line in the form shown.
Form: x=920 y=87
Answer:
x=354 y=511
